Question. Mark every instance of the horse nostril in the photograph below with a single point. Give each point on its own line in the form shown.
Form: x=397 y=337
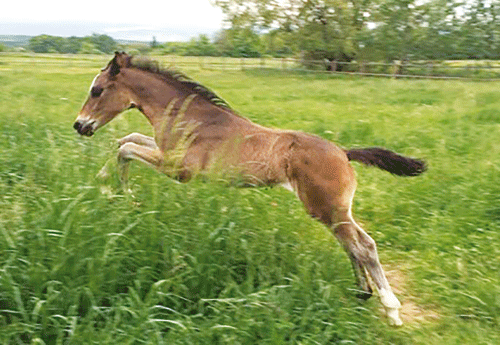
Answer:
x=84 y=128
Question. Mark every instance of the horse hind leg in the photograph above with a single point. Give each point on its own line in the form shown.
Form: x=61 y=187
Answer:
x=365 y=290
x=363 y=253
x=327 y=190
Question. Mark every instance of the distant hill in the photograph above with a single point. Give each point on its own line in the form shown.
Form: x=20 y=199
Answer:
x=14 y=40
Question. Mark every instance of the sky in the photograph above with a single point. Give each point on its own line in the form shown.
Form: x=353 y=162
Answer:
x=138 y=20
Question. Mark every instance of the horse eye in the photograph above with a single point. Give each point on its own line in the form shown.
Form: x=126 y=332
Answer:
x=96 y=91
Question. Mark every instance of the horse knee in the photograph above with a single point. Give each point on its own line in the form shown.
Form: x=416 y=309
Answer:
x=125 y=152
x=128 y=138
x=139 y=139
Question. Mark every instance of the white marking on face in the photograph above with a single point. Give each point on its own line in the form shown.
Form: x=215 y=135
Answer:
x=93 y=82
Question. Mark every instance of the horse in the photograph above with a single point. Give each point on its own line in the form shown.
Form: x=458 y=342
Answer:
x=211 y=135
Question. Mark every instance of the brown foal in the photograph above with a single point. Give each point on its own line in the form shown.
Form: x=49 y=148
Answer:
x=195 y=131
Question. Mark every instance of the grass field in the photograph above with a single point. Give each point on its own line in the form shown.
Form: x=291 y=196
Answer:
x=204 y=263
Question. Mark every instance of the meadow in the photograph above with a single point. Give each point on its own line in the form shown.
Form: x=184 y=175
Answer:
x=209 y=263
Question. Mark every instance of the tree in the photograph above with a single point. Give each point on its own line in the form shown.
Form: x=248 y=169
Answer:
x=95 y=44
x=71 y=45
x=154 y=43
x=88 y=48
x=373 y=29
x=103 y=43
x=321 y=28
x=46 y=44
x=201 y=46
x=239 y=42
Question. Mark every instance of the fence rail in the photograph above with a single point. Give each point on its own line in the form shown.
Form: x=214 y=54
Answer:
x=477 y=70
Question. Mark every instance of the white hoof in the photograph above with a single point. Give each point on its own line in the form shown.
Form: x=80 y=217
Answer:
x=389 y=300
x=392 y=306
x=393 y=315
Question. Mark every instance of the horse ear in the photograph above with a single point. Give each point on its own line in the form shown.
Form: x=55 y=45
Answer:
x=114 y=67
x=121 y=60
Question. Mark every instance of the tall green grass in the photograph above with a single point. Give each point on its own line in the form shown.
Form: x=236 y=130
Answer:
x=208 y=263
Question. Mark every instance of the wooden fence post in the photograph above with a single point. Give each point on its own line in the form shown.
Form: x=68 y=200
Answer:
x=395 y=68
x=333 y=66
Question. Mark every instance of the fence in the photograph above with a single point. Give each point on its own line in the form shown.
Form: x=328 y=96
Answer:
x=483 y=70
x=480 y=70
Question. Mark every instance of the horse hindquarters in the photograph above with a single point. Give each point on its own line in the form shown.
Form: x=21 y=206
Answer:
x=325 y=183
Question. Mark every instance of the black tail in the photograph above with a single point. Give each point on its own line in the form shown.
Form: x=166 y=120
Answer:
x=387 y=160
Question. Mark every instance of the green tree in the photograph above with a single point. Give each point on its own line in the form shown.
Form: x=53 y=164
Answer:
x=175 y=48
x=154 y=43
x=321 y=28
x=201 y=46
x=398 y=25
x=103 y=43
x=71 y=45
x=373 y=29
x=88 y=48
x=279 y=43
x=46 y=44
x=87 y=45
x=239 y=42
x=481 y=29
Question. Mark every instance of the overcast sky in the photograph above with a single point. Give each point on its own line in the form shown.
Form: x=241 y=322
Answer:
x=168 y=20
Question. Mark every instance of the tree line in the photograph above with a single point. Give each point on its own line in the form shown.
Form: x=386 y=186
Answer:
x=372 y=30
x=95 y=44
x=231 y=42
x=333 y=30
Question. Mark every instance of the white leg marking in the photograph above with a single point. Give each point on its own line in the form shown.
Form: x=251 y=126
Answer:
x=392 y=306
x=288 y=186
x=387 y=297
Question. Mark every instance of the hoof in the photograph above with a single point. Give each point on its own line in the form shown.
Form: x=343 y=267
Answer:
x=393 y=315
x=365 y=292
x=364 y=295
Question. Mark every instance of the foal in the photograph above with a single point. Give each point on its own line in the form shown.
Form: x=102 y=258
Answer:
x=186 y=114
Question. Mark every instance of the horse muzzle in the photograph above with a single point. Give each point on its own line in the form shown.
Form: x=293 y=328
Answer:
x=86 y=128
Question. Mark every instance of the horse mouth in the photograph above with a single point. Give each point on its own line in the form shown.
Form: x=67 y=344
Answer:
x=86 y=129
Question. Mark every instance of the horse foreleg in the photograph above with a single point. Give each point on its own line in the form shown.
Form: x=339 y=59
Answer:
x=139 y=139
x=136 y=138
x=128 y=151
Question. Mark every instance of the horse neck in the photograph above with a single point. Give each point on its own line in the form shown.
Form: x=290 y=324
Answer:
x=158 y=99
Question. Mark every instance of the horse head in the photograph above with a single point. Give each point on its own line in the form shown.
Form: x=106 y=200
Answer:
x=108 y=96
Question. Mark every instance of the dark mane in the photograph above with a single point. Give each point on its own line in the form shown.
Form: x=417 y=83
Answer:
x=180 y=79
